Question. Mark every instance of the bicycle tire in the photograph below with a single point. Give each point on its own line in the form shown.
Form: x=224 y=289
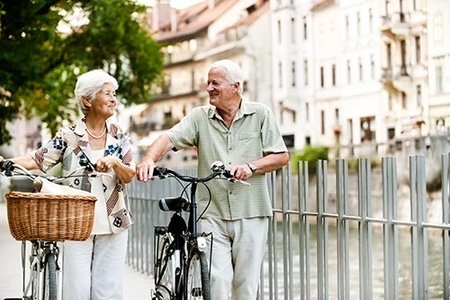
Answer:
x=50 y=284
x=197 y=277
x=165 y=274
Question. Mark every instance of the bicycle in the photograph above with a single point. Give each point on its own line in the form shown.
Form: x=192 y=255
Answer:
x=180 y=264
x=43 y=228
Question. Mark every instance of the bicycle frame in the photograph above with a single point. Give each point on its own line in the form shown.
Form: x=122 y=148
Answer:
x=181 y=244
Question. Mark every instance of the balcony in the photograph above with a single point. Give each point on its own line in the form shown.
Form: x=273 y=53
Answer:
x=395 y=24
x=396 y=78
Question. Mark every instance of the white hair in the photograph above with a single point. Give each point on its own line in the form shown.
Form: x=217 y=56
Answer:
x=89 y=84
x=232 y=71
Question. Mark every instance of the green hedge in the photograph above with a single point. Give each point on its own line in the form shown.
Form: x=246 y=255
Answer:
x=311 y=154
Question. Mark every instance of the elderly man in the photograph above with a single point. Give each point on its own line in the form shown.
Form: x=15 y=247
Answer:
x=244 y=136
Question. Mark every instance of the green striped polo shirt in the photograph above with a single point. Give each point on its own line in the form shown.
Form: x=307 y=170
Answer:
x=253 y=134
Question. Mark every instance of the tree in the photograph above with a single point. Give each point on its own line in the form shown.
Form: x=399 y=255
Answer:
x=46 y=44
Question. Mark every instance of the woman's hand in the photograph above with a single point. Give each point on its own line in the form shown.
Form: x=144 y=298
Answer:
x=113 y=163
x=106 y=164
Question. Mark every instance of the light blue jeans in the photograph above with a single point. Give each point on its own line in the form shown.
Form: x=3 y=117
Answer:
x=238 y=252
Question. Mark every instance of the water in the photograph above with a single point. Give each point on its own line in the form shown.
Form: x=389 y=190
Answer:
x=435 y=263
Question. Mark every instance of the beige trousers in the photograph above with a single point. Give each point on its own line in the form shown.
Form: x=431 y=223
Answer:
x=238 y=252
x=94 y=269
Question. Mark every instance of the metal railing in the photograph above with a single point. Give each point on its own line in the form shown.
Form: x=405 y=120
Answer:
x=339 y=244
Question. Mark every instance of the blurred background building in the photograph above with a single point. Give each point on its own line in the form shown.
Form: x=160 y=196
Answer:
x=362 y=77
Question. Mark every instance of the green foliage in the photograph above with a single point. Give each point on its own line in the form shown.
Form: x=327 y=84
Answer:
x=311 y=154
x=40 y=63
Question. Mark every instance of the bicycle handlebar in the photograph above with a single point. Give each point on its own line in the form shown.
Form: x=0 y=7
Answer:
x=11 y=169
x=217 y=171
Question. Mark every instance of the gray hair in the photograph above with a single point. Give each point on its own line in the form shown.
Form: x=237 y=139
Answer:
x=89 y=84
x=232 y=72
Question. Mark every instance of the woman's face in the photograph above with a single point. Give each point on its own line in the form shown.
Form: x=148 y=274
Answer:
x=104 y=102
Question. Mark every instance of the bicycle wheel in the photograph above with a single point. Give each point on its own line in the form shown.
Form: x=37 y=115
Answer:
x=50 y=285
x=167 y=269
x=197 y=276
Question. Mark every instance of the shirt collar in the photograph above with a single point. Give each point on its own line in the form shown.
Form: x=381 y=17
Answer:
x=244 y=109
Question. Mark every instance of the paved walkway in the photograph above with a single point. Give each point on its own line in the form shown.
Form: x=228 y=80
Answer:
x=137 y=286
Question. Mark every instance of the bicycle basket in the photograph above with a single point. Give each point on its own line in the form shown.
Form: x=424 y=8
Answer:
x=50 y=217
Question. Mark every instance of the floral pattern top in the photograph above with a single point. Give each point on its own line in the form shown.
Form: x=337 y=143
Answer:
x=70 y=147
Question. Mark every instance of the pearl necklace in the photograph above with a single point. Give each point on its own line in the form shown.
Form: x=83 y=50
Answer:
x=96 y=136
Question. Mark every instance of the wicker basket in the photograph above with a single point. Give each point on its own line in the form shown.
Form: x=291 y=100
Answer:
x=49 y=217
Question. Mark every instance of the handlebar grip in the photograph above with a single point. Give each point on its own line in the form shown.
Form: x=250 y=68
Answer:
x=159 y=171
x=7 y=166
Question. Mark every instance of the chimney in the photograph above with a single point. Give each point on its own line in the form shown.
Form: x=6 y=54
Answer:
x=160 y=14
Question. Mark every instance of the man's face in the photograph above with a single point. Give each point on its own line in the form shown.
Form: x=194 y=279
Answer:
x=221 y=91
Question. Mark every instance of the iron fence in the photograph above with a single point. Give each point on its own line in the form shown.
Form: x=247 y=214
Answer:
x=335 y=240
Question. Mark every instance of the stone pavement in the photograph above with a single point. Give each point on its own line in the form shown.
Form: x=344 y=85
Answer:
x=137 y=285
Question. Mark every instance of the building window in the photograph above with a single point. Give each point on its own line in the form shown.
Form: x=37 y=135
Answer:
x=372 y=67
x=419 y=95
x=367 y=126
x=294 y=73
x=347 y=26
x=417 y=42
x=307 y=111
x=360 y=70
x=333 y=74
x=439 y=79
x=358 y=24
x=279 y=31
x=293 y=33
x=389 y=55
x=305 y=71
x=349 y=72
x=390 y=102
x=280 y=75
x=305 y=29
x=403 y=57
x=336 y=115
x=404 y=100
x=387 y=7
x=370 y=20
x=402 y=14
x=322 y=79
x=322 y=122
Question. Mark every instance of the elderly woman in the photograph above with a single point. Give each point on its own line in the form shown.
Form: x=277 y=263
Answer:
x=94 y=269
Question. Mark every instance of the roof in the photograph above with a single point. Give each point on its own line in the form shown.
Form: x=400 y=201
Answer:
x=320 y=4
x=192 y=20
x=252 y=16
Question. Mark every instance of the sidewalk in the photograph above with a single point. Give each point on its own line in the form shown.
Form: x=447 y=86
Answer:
x=137 y=286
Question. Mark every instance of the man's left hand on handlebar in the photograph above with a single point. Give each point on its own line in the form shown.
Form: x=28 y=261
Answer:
x=144 y=170
x=241 y=172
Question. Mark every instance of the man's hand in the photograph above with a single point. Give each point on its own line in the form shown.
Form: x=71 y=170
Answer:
x=241 y=172
x=144 y=170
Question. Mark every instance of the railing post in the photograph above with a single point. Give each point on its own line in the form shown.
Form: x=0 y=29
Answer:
x=303 y=188
x=418 y=232
x=322 y=231
x=342 y=229
x=389 y=179
x=273 y=262
x=445 y=219
x=287 y=234
x=365 y=230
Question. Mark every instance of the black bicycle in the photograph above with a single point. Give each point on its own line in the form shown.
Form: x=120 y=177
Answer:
x=181 y=268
